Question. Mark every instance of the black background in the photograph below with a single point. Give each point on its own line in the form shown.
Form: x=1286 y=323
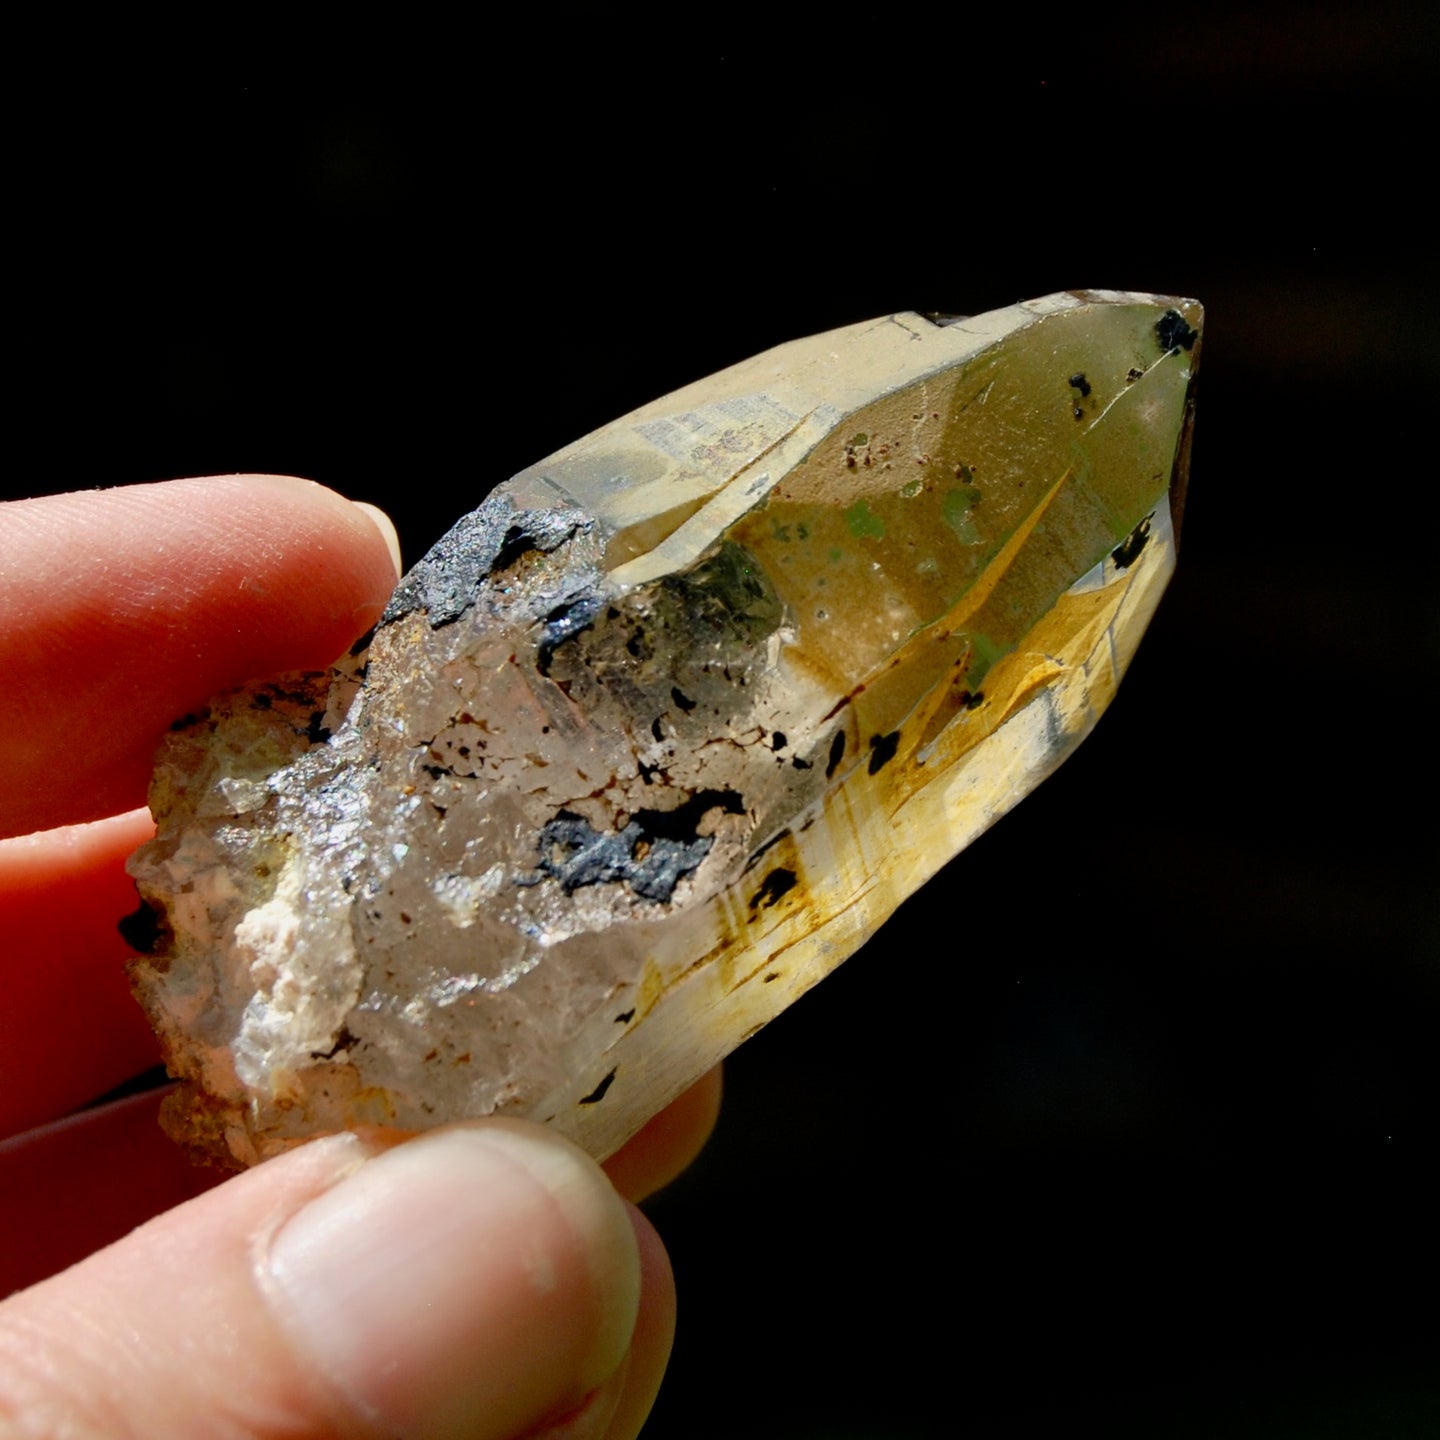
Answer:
x=1128 y=1123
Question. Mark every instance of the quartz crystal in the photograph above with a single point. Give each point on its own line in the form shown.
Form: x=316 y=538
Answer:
x=664 y=730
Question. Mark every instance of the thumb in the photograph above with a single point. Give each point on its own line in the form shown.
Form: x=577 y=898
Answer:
x=483 y=1281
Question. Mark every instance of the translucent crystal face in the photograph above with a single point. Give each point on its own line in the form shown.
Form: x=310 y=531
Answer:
x=661 y=732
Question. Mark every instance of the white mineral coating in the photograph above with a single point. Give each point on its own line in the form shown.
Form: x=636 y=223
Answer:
x=664 y=730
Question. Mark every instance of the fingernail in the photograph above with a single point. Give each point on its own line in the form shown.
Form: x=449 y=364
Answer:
x=386 y=527
x=473 y=1281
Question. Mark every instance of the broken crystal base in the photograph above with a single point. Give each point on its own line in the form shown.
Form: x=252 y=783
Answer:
x=664 y=730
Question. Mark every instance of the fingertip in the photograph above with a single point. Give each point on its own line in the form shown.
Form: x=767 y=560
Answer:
x=309 y=509
x=70 y=1029
x=482 y=1280
x=129 y=607
x=500 y=1240
x=388 y=533
x=669 y=1142
x=654 y=1333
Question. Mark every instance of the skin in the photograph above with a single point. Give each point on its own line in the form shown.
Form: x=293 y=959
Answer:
x=120 y=610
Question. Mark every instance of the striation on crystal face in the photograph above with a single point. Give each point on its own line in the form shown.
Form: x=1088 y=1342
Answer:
x=664 y=730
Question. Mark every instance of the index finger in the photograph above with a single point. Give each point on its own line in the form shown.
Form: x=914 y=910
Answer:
x=123 y=609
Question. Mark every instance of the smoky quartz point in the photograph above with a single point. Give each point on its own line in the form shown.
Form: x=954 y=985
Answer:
x=664 y=730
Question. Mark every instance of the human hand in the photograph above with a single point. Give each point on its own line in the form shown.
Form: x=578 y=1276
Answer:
x=483 y=1280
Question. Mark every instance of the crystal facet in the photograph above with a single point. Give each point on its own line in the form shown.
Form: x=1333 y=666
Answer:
x=664 y=730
